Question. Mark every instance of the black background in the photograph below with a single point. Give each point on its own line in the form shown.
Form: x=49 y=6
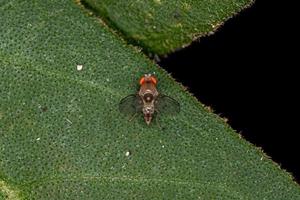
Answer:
x=244 y=72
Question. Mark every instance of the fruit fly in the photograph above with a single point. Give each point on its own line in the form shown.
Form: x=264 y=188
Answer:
x=148 y=101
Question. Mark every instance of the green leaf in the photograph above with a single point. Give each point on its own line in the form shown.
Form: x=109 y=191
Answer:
x=62 y=136
x=162 y=26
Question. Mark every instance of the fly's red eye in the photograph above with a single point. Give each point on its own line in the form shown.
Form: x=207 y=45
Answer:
x=142 y=80
x=153 y=79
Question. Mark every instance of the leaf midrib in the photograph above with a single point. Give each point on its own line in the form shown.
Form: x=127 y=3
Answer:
x=177 y=182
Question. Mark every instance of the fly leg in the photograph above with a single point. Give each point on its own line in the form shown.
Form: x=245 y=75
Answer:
x=132 y=117
x=156 y=120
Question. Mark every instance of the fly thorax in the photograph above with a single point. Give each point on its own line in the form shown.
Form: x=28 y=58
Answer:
x=148 y=97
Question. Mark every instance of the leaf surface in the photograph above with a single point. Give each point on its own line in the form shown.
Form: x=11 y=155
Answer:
x=162 y=26
x=63 y=137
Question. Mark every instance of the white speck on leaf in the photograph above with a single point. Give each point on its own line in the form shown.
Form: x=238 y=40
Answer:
x=79 y=67
x=37 y=139
x=127 y=153
x=157 y=1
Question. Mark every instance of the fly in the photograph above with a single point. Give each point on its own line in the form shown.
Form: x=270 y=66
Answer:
x=148 y=101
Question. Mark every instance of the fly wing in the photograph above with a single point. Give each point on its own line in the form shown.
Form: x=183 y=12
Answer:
x=166 y=105
x=130 y=105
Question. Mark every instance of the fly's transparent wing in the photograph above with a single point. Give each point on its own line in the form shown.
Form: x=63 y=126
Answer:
x=130 y=105
x=166 y=105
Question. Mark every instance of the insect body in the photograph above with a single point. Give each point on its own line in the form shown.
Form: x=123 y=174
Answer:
x=148 y=94
x=148 y=101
